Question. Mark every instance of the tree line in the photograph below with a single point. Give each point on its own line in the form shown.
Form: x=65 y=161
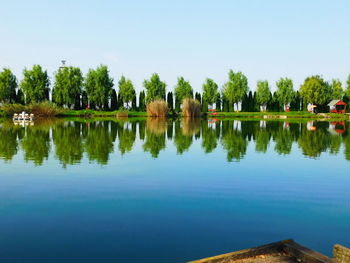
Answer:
x=70 y=89
x=99 y=139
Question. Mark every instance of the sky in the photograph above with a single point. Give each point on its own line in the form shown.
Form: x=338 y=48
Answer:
x=195 y=39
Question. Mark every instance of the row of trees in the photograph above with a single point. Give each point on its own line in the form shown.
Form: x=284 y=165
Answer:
x=99 y=139
x=71 y=90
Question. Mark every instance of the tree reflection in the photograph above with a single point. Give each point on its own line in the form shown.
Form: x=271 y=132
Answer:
x=209 y=137
x=36 y=144
x=98 y=142
x=8 y=140
x=127 y=136
x=233 y=141
x=184 y=135
x=68 y=142
x=155 y=136
x=314 y=142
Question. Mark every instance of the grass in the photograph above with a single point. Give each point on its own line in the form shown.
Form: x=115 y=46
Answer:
x=95 y=113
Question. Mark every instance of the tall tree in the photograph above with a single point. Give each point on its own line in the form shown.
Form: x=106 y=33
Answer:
x=285 y=92
x=126 y=90
x=20 y=97
x=68 y=86
x=170 y=101
x=235 y=88
x=183 y=90
x=210 y=91
x=98 y=86
x=155 y=88
x=8 y=86
x=218 y=102
x=347 y=91
x=263 y=94
x=142 y=101
x=315 y=90
x=35 y=84
x=197 y=97
x=114 y=100
x=337 y=89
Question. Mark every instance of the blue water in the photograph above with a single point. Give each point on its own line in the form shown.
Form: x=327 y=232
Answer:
x=177 y=206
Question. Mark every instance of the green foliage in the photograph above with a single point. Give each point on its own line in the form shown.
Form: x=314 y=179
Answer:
x=263 y=93
x=285 y=92
x=315 y=90
x=142 y=101
x=20 y=97
x=155 y=88
x=8 y=85
x=98 y=86
x=210 y=91
x=114 y=100
x=183 y=90
x=126 y=91
x=197 y=97
x=35 y=84
x=235 y=88
x=68 y=86
x=170 y=101
x=218 y=102
x=337 y=90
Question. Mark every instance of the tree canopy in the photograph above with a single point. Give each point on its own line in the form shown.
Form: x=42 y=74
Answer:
x=155 y=88
x=285 y=92
x=35 y=84
x=210 y=91
x=98 y=86
x=337 y=89
x=68 y=86
x=126 y=90
x=8 y=85
x=235 y=88
x=263 y=93
x=183 y=89
x=315 y=90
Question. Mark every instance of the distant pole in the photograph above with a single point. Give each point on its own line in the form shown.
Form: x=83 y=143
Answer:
x=63 y=64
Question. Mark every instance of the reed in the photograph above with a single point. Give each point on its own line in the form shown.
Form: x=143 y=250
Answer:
x=157 y=108
x=191 y=108
x=46 y=109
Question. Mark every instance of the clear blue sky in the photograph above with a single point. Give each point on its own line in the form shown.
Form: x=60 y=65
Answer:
x=194 y=39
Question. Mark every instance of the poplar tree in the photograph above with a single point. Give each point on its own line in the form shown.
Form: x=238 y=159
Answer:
x=142 y=101
x=183 y=90
x=68 y=86
x=285 y=92
x=263 y=94
x=315 y=90
x=114 y=100
x=210 y=91
x=337 y=90
x=35 y=84
x=126 y=90
x=155 y=88
x=98 y=86
x=235 y=88
x=8 y=86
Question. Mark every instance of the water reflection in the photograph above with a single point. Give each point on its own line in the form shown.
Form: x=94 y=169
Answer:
x=69 y=141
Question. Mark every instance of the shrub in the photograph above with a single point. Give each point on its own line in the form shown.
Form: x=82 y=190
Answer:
x=10 y=109
x=191 y=108
x=157 y=108
x=45 y=108
x=122 y=114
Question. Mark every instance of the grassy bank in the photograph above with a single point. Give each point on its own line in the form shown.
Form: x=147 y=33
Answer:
x=95 y=113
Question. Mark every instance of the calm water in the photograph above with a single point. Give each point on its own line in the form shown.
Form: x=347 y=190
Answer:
x=156 y=191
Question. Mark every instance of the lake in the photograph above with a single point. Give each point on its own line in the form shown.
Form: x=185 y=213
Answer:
x=152 y=190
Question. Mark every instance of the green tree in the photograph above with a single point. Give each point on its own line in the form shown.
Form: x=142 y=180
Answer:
x=235 y=88
x=263 y=94
x=68 y=86
x=8 y=86
x=155 y=88
x=198 y=97
x=285 y=92
x=98 y=86
x=35 y=84
x=315 y=90
x=210 y=91
x=20 y=97
x=142 y=101
x=114 y=100
x=170 y=101
x=126 y=91
x=337 y=90
x=183 y=90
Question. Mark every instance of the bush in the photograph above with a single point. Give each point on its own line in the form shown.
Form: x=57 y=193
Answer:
x=157 y=108
x=191 y=108
x=122 y=114
x=10 y=109
x=45 y=108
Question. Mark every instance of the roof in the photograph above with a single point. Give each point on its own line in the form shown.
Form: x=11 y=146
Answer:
x=336 y=102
